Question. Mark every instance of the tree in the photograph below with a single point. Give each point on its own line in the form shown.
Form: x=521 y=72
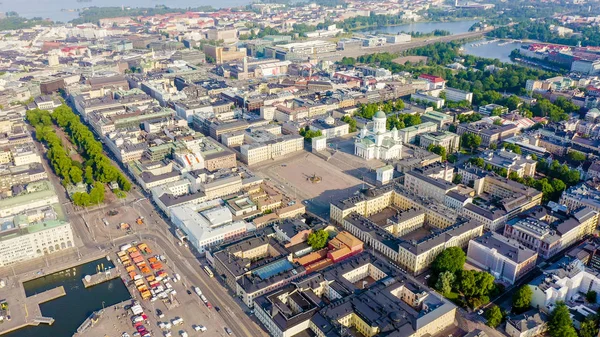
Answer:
x=522 y=299
x=477 y=161
x=124 y=184
x=438 y=149
x=496 y=112
x=591 y=296
x=576 y=156
x=589 y=327
x=318 y=239
x=451 y=259
x=97 y=194
x=75 y=174
x=470 y=141
x=560 y=323
x=475 y=283
x=444 y=282
x=494 y=316
x=457 y=179
x=89 y=176
x=351 y=122
x=307 y=133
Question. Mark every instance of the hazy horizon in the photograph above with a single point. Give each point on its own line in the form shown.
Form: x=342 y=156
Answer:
x=52 y=9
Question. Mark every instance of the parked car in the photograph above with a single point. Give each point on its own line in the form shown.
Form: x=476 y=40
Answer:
x=200 y=328
x=159 y=313
x=229 y=332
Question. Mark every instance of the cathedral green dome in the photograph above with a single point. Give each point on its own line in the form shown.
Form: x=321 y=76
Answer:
x=380 y=114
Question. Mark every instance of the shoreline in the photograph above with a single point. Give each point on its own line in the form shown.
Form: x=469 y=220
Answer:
x=362 y=29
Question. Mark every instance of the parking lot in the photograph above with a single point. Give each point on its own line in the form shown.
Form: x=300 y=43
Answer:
x=296 y=175
x=183 y=306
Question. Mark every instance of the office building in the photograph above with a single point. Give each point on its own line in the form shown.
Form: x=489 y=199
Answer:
x=548 y=232
x=563 y=281
x=507 y=260
x=446 y=139
x=22 y=242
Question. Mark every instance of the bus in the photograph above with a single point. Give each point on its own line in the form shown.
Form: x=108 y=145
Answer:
x=208 y=271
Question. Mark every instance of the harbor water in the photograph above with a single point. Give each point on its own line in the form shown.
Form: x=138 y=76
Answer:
x=493 y=49
x=79 y=302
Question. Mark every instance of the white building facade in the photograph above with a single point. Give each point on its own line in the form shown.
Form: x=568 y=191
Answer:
x=376 y=142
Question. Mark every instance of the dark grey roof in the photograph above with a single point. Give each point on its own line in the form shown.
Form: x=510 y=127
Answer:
x=149 y=177
x=505 y=247
x=528 y=320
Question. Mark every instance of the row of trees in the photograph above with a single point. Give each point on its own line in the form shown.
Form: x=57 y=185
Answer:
x=540 y=31
x=402 y=121
x=97 y=167
x=368 y=110
x=307 y=133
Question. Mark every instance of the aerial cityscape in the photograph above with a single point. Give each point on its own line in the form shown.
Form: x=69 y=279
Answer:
x=300 y=168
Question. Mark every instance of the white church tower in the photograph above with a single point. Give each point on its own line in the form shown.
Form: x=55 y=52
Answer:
x=379 y=122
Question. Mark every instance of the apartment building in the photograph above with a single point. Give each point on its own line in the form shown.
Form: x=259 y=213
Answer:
x=455 y=95
x=152 y=174
x=529 y=323
x=584 y=194
x=446 y=139
x=20 y=175
x=515 y=197
x=421 y=183
x=220 y=54
x=548 y=232
x=489 y=133
x=491 y=108
x=299 y=50
x=426 y=97
x=523 y=166
x=563 y=281
x=255 y=266
x=504 y=258
x=330 y=127
x=410 y=134
x=33 y=195
x=20 y=243
x=25 y=154
x=391 y=304
x=271 y=149
x=413 y=255
x=439 y=118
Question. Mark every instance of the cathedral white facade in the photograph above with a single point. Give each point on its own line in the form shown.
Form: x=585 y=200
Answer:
x=376 y=142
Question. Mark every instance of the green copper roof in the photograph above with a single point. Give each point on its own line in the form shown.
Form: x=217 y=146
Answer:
x=380 y=114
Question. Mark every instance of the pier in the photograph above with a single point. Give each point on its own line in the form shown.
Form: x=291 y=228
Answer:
x=47 y=295
x=45 y=320
x=100 y=277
